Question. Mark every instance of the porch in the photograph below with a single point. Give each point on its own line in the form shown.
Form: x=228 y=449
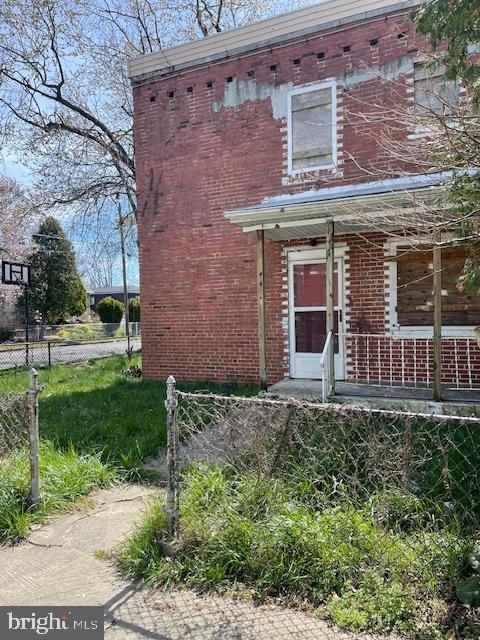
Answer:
x=387 y=371
x=312 y=390
x=418 y=400
x=420 y=343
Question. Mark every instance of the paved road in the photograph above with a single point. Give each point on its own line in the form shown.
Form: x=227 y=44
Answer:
x=65 y=353
x=59 y=566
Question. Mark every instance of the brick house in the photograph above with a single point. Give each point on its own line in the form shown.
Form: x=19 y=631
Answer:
x=265 y=248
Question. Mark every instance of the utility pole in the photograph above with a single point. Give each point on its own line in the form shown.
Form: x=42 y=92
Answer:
x=121 y=221
x=27 y=311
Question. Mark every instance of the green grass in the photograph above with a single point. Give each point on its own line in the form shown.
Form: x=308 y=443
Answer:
x=261 y=534
x=93 y=408
x=66 y=477
x=95 y=424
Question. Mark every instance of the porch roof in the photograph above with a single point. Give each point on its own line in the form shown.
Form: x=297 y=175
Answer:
x=370 y=206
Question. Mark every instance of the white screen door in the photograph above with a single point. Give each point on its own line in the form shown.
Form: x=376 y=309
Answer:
x=308 y=317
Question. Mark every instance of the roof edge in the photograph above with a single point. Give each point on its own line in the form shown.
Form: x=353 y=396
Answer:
x=350 y=191
x=278 y=30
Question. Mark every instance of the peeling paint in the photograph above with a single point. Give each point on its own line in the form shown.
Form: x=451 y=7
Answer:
x=386 y=72
x=238 y=92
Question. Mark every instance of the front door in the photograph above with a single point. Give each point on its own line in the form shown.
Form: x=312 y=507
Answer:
x=308 y=317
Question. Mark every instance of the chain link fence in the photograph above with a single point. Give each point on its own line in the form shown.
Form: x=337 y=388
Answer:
x=371 y=517
x=14 y=422
x=79 y=331
x=19 y=429
x=46 y=354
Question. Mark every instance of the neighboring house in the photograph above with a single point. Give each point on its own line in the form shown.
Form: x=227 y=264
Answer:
x=250 y=174
x=96 y=294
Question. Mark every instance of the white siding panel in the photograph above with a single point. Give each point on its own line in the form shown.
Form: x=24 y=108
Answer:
x=283 y=26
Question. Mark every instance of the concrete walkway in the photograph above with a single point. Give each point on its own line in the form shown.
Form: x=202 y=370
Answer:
x=58 y=566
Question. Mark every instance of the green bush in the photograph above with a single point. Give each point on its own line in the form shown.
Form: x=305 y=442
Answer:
x=110 y=310
x=401 y=510
x=76 y=332
x=65 y=476
x=134 y=310
x=142 y=555
x=376 y=604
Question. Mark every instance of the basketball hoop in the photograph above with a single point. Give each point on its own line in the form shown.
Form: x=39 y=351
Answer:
x=15 y=273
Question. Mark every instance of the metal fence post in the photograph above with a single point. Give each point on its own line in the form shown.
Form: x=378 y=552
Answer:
x=171 y=404
x=33 y=393
x=49 y=355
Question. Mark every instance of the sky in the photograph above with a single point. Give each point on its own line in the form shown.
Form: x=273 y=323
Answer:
x=13 y=168
x=84 y=241
x=106 y=231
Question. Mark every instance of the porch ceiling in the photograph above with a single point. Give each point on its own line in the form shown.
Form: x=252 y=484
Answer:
x=375 y=206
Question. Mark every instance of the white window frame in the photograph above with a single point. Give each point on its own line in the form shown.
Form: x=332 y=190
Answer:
x=422 y=62
x=423 y=331
x=424 y=130
x=307 y=89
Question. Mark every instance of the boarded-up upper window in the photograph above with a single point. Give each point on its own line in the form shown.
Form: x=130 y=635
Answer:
x=415 y=288
x=312 y=129
x=433 y=92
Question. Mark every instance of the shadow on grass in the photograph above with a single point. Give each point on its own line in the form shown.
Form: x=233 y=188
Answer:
x=125 y=421
x=93 y=408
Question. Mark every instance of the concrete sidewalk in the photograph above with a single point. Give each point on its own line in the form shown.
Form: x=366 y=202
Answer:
x=58 y=566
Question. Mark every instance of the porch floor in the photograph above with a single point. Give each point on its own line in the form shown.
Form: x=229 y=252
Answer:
x=455 y=401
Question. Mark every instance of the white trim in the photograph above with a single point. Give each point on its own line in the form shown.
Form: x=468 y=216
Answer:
x=308 y=89
x=396 y=330
x=303 y=253
x=315 y=256
x=427 y=332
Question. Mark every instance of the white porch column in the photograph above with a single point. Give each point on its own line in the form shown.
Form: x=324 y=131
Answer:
x=330 y=269
x=437 y=323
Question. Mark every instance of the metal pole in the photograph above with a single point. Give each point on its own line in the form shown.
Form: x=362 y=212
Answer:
x=437 y=323
x=124 y=274
x=26 y=323
x=33 y=393
x=171 y=405
x=49 y=355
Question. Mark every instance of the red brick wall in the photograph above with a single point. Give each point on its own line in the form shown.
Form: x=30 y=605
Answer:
x=198 y=273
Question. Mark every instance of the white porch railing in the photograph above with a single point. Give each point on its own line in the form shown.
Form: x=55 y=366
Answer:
x=327 y=383
x=384 y=360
